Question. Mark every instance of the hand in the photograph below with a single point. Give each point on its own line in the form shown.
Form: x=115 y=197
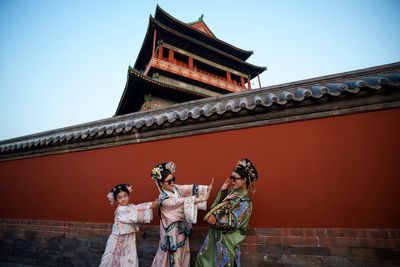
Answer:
x=231 y=196
x=211 y=220
x=225 y=185
x=211 y=185
x=207 y=195
x=209 y=189
x=154 y=204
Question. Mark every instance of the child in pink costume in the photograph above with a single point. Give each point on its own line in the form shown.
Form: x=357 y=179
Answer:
x=121 y=245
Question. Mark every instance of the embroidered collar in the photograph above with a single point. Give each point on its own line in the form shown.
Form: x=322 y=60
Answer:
x=175 y=194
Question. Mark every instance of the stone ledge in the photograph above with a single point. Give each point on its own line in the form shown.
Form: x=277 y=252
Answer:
x=64 y=243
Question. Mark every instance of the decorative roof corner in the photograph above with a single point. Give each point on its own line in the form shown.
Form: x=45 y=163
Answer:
x=163 y=16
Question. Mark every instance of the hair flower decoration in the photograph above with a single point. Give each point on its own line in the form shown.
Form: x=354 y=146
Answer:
x=156 y=173
x=170 y=166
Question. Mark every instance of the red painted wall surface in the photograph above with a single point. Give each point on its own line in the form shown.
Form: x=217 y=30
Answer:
x=333 y=172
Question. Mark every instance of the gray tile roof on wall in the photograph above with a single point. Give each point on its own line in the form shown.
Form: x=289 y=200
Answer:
x=273 y=96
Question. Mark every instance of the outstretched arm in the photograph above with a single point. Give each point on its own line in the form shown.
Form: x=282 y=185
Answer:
x=145 y=212
x=141 y=213
x=205 y=197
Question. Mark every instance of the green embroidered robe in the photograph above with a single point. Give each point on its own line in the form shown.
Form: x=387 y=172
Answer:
x=221 y=247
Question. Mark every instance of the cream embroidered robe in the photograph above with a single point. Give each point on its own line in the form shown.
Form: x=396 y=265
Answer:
x=121 y=245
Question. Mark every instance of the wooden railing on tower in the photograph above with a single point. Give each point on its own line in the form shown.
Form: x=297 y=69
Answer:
x=181 y=68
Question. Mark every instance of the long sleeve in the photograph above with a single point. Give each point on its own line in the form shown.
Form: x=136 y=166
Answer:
x=144 y=212
x=202 y=191
x=134 y=213
x=187 y=190
x=173 y=202
x=230 y=215
x=189 y=207
x=220 y=196
x=185 y=204
x=184 y=192
x=182 y=199
x=240 y=215
x=126 y=214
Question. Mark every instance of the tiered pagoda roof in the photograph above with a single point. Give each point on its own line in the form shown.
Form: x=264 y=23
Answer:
x=183 y=62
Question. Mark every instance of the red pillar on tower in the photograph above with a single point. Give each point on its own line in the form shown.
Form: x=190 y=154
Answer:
x=160 y=52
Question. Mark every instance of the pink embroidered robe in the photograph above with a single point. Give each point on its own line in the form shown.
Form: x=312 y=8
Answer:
x=177 y=212
x=121 y=245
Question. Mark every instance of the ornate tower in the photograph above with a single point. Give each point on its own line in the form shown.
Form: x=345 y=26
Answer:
x=180 y=62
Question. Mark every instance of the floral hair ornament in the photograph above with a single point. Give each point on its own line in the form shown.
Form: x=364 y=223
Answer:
x=111 y=196
x=166 y=166
x=158 y=170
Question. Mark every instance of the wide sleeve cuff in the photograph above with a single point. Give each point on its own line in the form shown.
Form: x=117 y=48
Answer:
x=190 y=209
x=148 y=215
x=145 y=212
x=144 y=206
x=202 y=189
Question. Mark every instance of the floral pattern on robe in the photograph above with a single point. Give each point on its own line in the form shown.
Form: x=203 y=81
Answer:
x=177 y=213
x=121 y=245
x=221 y=247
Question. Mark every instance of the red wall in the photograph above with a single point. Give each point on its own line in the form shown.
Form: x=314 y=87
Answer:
x=333 y=172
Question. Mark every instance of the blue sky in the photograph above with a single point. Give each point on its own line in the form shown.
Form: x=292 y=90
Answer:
x=64 y=63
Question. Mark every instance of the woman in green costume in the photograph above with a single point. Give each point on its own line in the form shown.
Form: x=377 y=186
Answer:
x=228 y=219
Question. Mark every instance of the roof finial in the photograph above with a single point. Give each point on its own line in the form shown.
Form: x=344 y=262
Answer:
x=201 y=17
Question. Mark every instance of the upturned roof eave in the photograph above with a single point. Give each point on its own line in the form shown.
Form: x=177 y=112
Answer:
x=160 y=12
x=144 y=44
x=148 y=40
x=240 y=61
x=134 y=74
x=122 y=99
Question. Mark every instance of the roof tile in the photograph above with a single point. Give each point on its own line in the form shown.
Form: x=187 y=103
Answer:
x=265 y=97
